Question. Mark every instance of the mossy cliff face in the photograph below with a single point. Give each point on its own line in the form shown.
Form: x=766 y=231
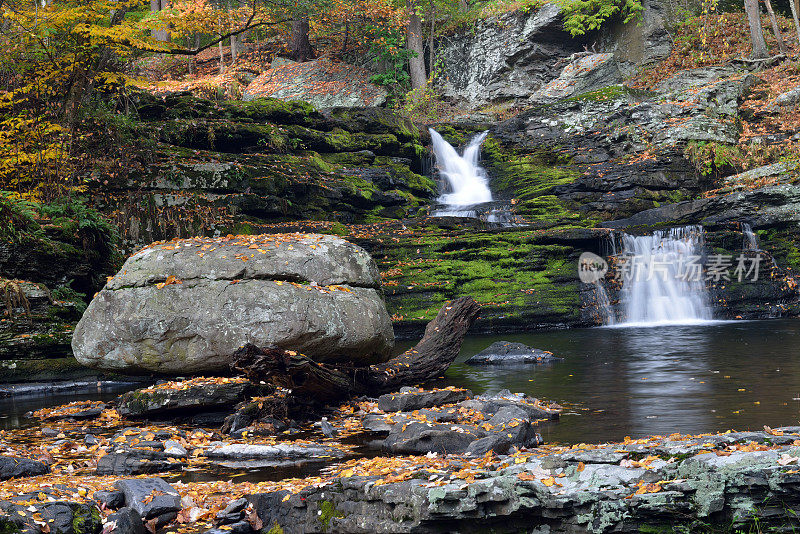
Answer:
x=212 y=165
x=51 y=257
x=523 y=278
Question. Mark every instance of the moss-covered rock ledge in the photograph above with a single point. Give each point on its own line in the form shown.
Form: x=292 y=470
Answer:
x=738 y=481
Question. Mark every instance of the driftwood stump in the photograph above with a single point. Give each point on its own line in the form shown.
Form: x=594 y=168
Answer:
x=323 y=384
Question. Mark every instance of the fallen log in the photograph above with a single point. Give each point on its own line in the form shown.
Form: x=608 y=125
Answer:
x=324 y=384
x=431 y=357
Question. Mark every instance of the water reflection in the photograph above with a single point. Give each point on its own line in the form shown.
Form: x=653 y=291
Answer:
x=643 y=381
x=663 y=378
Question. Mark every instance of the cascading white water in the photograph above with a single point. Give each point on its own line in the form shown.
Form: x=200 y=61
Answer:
x=662 y=278
x=750 y=241
x=605 y=310
x=468 y=182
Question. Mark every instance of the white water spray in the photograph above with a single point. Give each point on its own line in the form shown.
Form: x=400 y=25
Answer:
x=750 y=241
x=663 y=282
x=468 y=182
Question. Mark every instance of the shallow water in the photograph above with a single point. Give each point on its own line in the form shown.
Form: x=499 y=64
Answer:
x=13 y=409
x=617 y=382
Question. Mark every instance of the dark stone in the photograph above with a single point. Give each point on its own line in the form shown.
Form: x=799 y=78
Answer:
x=11 y=467
x=126 y=521
x=235 y=506
x=196 y=398
x=422 y=438
x=410 y=399
x=49 y=432
x=90 y=439
x=135 y=462
x=506 y=352
x=165 y=499
x=63 y=517
x=112 y=499
x=241 y=527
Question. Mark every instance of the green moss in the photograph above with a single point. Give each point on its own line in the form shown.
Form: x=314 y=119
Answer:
x=327 y=513
x=85 y=520
x=8 y=527
x=530 y=179
x=512 y=274
x=275 y=529
x=270 y=109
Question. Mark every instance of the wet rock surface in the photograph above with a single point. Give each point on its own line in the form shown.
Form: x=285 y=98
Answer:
x=507 y=353
x=198 y=396
x=150 y=497
x=53 y=508
x=411 y=398
x=621 y=487
x=452 y=421
x=11 y=467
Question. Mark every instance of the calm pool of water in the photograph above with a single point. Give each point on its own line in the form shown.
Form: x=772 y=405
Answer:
x=617 y=382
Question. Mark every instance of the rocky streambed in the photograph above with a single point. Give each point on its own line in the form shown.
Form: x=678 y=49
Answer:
x=441 y=460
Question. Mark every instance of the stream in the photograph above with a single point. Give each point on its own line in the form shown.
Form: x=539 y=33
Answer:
x=617 y=382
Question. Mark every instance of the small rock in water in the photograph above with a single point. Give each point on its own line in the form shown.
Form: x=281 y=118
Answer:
x=90 y=439
x=49 y=432
x=505 y=352
x=327 y=428
x=410 y=399
x=174 y=448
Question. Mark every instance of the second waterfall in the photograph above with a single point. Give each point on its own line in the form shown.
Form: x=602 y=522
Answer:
x=662 y=278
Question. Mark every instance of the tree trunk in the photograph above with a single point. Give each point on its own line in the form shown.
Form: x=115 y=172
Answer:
x=432 y=11
x=155 y=7
x=416 y=63
x=324 y=384
x=300 y=45
x=221 y=50
x=431 y=357
x=756 y=34
x=795 y=6
x=775 y=28
x=233 y=40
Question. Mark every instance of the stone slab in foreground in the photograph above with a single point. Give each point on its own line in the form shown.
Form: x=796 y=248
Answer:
x=186 y=305
x=724 y=481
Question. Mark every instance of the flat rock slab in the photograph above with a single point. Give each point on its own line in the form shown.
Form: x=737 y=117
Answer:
x=272 y=452
x=12 y=467
x=473 y=426
x=62 y=516
x=196 y=395
x=409 y=399
x=187 y=305
x=137 y=462
x=559 y=490
x=150 y=497
x=508 y=353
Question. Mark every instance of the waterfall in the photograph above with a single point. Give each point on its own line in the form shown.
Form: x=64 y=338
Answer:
x=605 y=310
x=750 y=241
x=467 y=181
x=662 y=279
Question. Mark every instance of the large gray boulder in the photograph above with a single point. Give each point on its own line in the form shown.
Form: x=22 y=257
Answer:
x=185 y=306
